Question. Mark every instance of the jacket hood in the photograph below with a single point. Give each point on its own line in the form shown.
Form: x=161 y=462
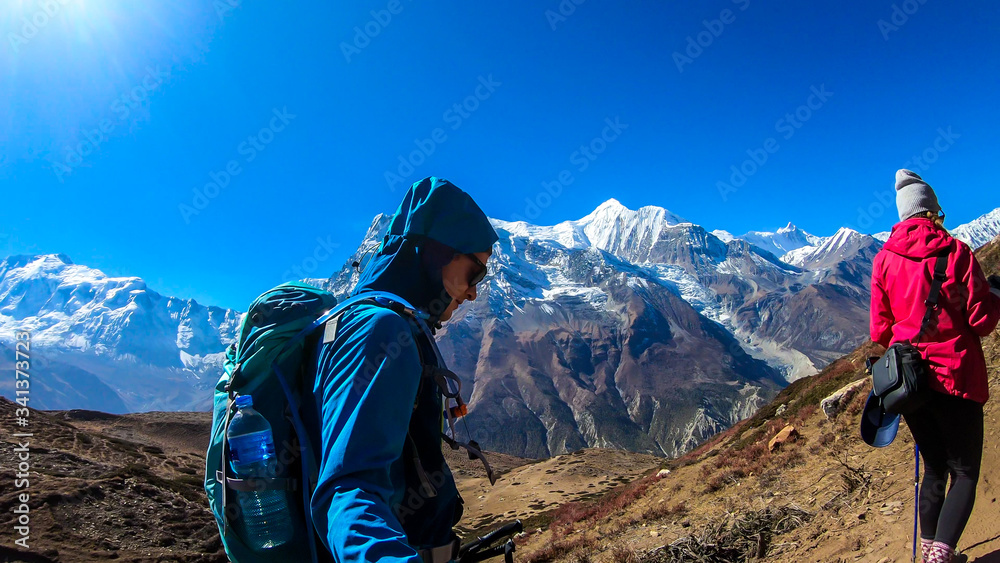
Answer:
x=435 y=220
x=917 y=238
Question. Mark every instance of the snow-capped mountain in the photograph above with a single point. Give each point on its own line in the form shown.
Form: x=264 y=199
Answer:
x=720 y=277
x=785 y=240
x=154 y=352
x=975 y=233
x=569 y=345
x=724 y=236
x=844 y=245
x=979 y=231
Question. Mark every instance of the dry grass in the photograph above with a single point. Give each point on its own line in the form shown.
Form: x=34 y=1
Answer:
x=857 y=403
x=622 y=554
x=856 y=484
x=804 y=413
x=754 y=459
x=613 y=502
x=663 y=509
x=736 y=538
x=562 y=548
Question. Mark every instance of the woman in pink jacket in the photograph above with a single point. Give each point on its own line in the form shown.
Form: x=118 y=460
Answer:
x=949 y=429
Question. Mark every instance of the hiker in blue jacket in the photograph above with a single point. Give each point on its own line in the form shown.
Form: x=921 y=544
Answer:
x=384 y=491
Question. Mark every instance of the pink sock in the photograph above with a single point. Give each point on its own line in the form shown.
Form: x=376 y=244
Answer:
x=925 y=549
x=940 y=552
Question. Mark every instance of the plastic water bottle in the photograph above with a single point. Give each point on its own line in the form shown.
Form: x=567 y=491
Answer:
x=265 y=514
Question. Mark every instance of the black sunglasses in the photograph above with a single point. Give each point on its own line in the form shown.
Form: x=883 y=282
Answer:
x=481 y=274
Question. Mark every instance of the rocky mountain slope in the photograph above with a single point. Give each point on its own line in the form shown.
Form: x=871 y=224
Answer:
x=103 y=486
x=979 y=231
x=820 y=496
x=636 y=329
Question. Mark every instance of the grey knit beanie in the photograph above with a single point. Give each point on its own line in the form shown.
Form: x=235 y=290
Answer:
x=913 y=195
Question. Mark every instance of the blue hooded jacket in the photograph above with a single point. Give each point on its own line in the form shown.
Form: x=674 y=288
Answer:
x=384 y=489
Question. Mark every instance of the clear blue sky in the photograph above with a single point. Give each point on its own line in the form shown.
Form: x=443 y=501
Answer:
x=185 y=89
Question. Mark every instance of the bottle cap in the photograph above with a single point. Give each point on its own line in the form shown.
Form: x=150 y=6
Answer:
x=244 y=401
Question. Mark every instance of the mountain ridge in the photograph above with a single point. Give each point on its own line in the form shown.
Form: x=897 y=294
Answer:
x=109 y=326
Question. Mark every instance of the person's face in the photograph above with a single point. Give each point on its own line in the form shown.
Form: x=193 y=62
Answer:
x=456 y=276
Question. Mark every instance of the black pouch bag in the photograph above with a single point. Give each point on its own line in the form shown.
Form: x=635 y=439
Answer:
x=899 y=377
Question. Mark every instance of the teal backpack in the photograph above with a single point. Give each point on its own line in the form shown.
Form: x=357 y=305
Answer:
x=266 y=362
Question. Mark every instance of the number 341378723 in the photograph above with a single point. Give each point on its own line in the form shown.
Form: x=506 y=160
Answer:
x=22 y=363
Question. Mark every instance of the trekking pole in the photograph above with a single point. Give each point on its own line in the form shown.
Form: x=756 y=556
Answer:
x=916 y=497
x=480 y=550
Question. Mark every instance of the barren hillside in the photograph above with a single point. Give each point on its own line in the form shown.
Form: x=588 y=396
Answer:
x=129 y=487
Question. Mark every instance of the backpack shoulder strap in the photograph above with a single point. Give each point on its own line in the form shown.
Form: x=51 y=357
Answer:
x=440 y=375
x=940 y=275
x=331 y=321
x=436 y=372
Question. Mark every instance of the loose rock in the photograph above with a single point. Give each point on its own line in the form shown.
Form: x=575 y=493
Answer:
x=787 y=434
x=836 y=402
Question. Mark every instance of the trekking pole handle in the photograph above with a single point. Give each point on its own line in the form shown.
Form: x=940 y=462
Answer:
x=506 y=550
x=515 y=527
